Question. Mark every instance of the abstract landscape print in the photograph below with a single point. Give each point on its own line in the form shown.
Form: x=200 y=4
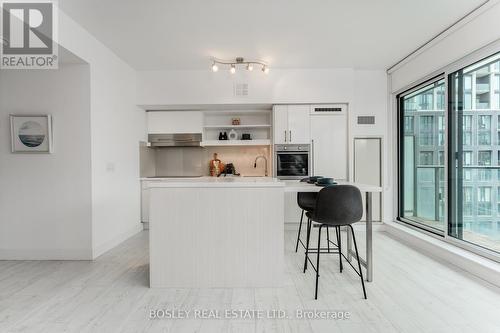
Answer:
x=31 y=133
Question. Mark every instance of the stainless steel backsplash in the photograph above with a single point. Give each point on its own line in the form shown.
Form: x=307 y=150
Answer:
x=147 y=158
x=180 y=161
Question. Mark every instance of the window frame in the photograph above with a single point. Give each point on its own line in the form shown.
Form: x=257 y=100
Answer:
x=400 y=151
x=468 y=60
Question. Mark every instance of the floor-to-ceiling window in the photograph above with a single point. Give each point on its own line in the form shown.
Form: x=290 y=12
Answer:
x=474 y=169
x=449 y=155
x=422 y=117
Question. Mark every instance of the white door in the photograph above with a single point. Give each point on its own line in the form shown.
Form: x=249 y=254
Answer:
x=368 y=169
x=329 y=146
x=299 y=124
x=280 y=124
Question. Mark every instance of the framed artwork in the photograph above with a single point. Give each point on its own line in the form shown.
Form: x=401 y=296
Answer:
x=31 y=133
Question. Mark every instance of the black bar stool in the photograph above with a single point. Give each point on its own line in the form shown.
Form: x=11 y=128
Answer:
x=336 y=206
x=307 y=202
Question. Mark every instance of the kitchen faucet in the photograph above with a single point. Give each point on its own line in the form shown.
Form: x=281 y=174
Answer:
x=265 y=159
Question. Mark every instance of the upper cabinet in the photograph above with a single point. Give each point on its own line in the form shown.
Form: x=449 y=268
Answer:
x=175 y=122
x=291 y=124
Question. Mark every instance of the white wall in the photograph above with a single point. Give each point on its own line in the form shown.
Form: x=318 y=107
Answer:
x=117 y=126
x=45 y=199
x=364 y=90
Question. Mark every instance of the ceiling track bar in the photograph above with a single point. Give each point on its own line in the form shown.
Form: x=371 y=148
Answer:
x=391 y=68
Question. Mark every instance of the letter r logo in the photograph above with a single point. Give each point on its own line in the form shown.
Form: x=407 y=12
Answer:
x=27 y=27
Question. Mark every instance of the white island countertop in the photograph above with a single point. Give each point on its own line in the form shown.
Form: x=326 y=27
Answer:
x=232 y=181
x=214 y=182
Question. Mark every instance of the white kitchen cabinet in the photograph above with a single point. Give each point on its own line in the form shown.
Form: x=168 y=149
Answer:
x=329 y=145
x=291 y=124
x=298 y=124
x=175 y=122
x=280 y=124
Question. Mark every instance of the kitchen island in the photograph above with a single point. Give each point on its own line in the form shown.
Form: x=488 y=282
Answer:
x=216 y=232
x=227 y=232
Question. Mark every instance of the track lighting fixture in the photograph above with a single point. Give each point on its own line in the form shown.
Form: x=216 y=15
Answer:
x=239 y=61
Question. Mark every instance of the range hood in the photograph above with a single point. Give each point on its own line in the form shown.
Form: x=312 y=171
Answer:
x=175 y=140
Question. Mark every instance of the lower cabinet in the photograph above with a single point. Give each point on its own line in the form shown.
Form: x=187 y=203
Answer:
x=292 y=210
x=145 y=204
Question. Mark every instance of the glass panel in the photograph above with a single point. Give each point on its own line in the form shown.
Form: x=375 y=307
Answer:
x=475 y=176
x=424 y=134
x=292 y=165
x=426 y=130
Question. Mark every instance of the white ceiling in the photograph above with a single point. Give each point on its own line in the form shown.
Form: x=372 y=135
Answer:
x=186 y=34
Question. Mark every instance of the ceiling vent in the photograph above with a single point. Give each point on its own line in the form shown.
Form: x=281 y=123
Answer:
x=334 y=109
x=240 y=89
x=328 y=108
x=366 y=120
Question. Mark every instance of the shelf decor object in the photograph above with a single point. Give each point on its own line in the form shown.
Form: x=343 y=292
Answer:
x=31 y=133
x=233 y=135
x=239 y=61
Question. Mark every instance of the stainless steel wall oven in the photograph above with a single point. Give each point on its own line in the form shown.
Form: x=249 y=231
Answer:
x=292 y=161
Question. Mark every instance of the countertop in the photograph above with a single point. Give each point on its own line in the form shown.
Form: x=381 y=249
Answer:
x=214 y=182
x=289 y=186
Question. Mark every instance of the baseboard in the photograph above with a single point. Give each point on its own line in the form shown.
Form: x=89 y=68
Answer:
x=472 y=263
x=45 y=254
x=105 y=247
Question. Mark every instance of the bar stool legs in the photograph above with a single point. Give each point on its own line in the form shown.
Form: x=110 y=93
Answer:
x=317 y=261
x=307 y=242
x=300 y=228
x=318 y=251
x=359 y=263
x=339 y=243
x=328 y=238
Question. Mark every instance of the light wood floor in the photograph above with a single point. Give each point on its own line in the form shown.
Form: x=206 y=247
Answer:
x=411 y=293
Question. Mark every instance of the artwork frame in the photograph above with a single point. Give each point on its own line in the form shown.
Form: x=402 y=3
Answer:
x=31 y=133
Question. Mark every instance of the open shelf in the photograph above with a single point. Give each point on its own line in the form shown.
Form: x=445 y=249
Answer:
x=238 y=126
x=256 y=123
x=263 y=142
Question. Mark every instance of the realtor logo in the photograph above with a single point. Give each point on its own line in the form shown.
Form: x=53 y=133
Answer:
x=28 y=35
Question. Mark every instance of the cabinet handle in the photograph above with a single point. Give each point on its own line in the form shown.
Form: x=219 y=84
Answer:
x=290 y=131
x=312 y=157
x=285 y=135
